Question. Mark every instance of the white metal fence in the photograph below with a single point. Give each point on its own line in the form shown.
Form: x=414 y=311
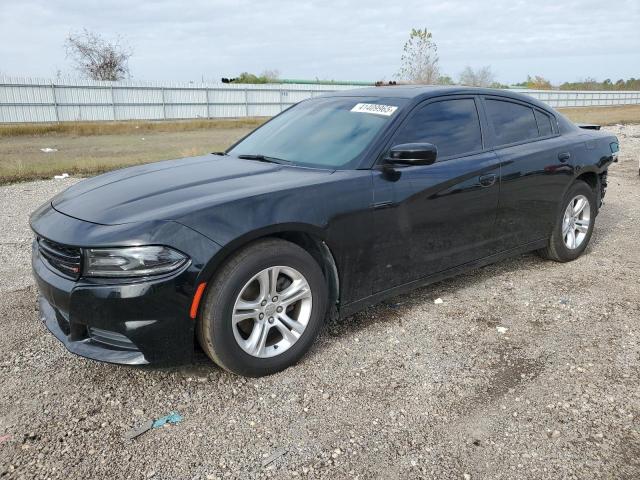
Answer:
x=38 y=100
x=584 y=98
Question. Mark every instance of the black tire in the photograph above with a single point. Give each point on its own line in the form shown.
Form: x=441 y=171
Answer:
x=214 y=329
x=556 y=249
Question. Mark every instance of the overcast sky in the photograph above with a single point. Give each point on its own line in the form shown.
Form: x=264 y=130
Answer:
x=563 y=40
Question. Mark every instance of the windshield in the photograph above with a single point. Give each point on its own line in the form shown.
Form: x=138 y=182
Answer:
x=324 y=132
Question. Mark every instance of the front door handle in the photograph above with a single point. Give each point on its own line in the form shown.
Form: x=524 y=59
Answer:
x=487 y=180
x=564 y=156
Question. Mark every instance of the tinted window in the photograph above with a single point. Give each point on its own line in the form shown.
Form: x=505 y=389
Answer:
x=451 y=125
x=511 y=122
x=325 y=132
x=544 y=124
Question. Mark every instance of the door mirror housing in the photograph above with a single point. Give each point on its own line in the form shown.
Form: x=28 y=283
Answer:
x=412 y=154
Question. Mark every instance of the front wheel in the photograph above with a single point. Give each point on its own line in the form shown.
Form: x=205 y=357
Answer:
x=573 y=228
x=263 y=309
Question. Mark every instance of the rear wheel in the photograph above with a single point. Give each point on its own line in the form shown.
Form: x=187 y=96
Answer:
x=574 y=226
x=263 y=309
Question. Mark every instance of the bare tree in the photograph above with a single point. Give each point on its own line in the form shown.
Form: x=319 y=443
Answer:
x=271 y=75
x=97 y=58
x=420 y=58
x=482 y=77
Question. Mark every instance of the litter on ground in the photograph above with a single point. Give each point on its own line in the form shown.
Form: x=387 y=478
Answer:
x=136 y=432
x=274 y=456
x=173 y=417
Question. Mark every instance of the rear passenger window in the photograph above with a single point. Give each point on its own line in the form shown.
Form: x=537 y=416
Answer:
x=451 y=125
x=511 y=122
x=544 y=124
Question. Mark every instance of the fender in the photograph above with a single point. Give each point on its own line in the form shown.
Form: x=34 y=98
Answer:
x=272 y=230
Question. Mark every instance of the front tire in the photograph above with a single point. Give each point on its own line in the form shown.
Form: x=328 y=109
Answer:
x=263 y=309
x=574 y=225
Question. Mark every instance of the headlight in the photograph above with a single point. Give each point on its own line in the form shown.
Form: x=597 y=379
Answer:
x=131 y=261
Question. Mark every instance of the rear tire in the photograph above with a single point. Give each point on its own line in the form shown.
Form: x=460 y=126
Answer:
x=243 y=329
x=574 y=225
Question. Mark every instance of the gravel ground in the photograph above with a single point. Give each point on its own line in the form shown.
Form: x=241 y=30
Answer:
x=528 y=369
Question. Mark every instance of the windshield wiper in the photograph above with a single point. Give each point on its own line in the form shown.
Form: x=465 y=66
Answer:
x=263 y=158
x=222 y=154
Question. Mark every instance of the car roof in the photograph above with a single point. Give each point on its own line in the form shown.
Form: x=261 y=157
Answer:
x=421 y=92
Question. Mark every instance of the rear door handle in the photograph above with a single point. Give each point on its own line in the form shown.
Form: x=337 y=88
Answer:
x=564 y=156
x=487 y=180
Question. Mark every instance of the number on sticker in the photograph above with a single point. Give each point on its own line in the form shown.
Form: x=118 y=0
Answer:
x=375 y=108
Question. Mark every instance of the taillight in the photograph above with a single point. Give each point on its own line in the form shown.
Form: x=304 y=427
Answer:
x=615 y=148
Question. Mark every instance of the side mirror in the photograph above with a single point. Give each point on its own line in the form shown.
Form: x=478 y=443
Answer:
x=412 y=154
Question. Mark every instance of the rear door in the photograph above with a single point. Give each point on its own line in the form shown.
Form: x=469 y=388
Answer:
x=433 y=217
x=536 y=169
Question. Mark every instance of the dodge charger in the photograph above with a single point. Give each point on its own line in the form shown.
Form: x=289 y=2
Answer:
x=331 y=206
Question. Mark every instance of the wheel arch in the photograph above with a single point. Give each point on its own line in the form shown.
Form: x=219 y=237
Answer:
x=311 y=238
x=593 y=178
x=590 y=178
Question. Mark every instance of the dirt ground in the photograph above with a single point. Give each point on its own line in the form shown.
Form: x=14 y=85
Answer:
x=528 y=369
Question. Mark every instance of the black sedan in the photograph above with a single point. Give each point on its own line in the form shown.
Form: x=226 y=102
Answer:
x=331 y=206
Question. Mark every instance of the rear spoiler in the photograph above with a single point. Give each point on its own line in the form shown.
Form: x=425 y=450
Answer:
x=588 y=126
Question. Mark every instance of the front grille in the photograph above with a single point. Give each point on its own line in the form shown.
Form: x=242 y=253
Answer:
x=110 y=338
x=64 y=259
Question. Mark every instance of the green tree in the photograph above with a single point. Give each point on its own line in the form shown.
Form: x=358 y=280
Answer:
x=268 y=76
x=445 y=80
x=419 y=60
x=537 y=82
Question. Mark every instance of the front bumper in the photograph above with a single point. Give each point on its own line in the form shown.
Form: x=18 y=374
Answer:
x=86 y=347
x=134 y=324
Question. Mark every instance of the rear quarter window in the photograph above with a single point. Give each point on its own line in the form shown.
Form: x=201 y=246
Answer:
x=511 y=122
x=544 y=123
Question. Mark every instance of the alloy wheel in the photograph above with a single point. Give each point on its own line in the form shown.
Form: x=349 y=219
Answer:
x=576 y=221
x=272 y=311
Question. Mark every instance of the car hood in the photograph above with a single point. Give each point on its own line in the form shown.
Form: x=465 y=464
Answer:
x=168 y=190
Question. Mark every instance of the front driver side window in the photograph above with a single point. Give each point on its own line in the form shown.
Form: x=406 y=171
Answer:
x=451 y=125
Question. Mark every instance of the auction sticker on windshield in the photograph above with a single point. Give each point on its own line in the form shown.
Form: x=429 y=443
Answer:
x=386 y=110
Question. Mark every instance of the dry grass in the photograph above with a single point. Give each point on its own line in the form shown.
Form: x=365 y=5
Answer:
x=603 y=115
x=21 y=158
x=91 y=148
x=128 y=127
